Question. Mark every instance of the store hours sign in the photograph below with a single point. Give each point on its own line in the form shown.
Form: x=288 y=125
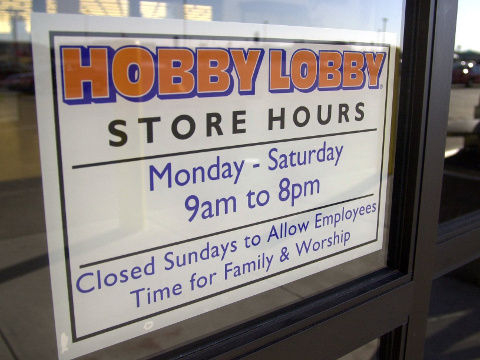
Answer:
x=187 y=166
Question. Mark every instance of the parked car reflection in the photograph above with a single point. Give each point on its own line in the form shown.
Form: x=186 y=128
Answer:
x=22 y=82
x=466 y=72
x=17 y=76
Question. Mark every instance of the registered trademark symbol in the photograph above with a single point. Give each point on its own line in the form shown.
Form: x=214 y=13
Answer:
x=381 y=86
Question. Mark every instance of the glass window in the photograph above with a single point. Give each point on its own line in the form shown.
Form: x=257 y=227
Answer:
x=27 y=327
x=452 y=327
x=461 y=179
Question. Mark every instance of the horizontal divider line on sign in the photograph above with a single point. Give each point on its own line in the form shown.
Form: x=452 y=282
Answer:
x=112 y=162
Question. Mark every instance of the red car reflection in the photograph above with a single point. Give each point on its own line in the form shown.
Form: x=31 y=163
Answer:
x=467 y=73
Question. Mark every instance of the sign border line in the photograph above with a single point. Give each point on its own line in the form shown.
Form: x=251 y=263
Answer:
x=54 y=33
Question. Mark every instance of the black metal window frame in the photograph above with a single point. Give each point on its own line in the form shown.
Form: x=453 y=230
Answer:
x=392 y=303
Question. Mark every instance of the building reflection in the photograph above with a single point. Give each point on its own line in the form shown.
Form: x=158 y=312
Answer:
x=19 y=151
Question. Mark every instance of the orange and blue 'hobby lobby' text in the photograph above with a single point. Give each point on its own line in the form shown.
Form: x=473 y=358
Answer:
x=98 y=74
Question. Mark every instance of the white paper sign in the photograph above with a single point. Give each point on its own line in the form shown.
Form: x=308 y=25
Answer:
x=189 y=165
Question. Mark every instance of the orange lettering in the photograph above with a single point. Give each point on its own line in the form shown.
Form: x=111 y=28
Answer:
x=278 y=81
x=329 y=69
x=246 y=68
x=299 y=59
x=133 y=71
x=75 y=74
x=211 y=71
x=174 y=76
x=374 y=67
x=353 y=63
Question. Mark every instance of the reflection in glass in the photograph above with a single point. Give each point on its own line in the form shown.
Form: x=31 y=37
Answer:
x=26 y=315
x=461 y=180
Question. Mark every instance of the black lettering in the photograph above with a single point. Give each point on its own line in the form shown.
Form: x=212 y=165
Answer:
x=272 y=118
x=342 y=112
x=213 y=121
x=236 y=121
x=149 y=121
x=295 y=116
x=189 y=133
x=359 y=109
x=319 y=115
x=114 y=131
